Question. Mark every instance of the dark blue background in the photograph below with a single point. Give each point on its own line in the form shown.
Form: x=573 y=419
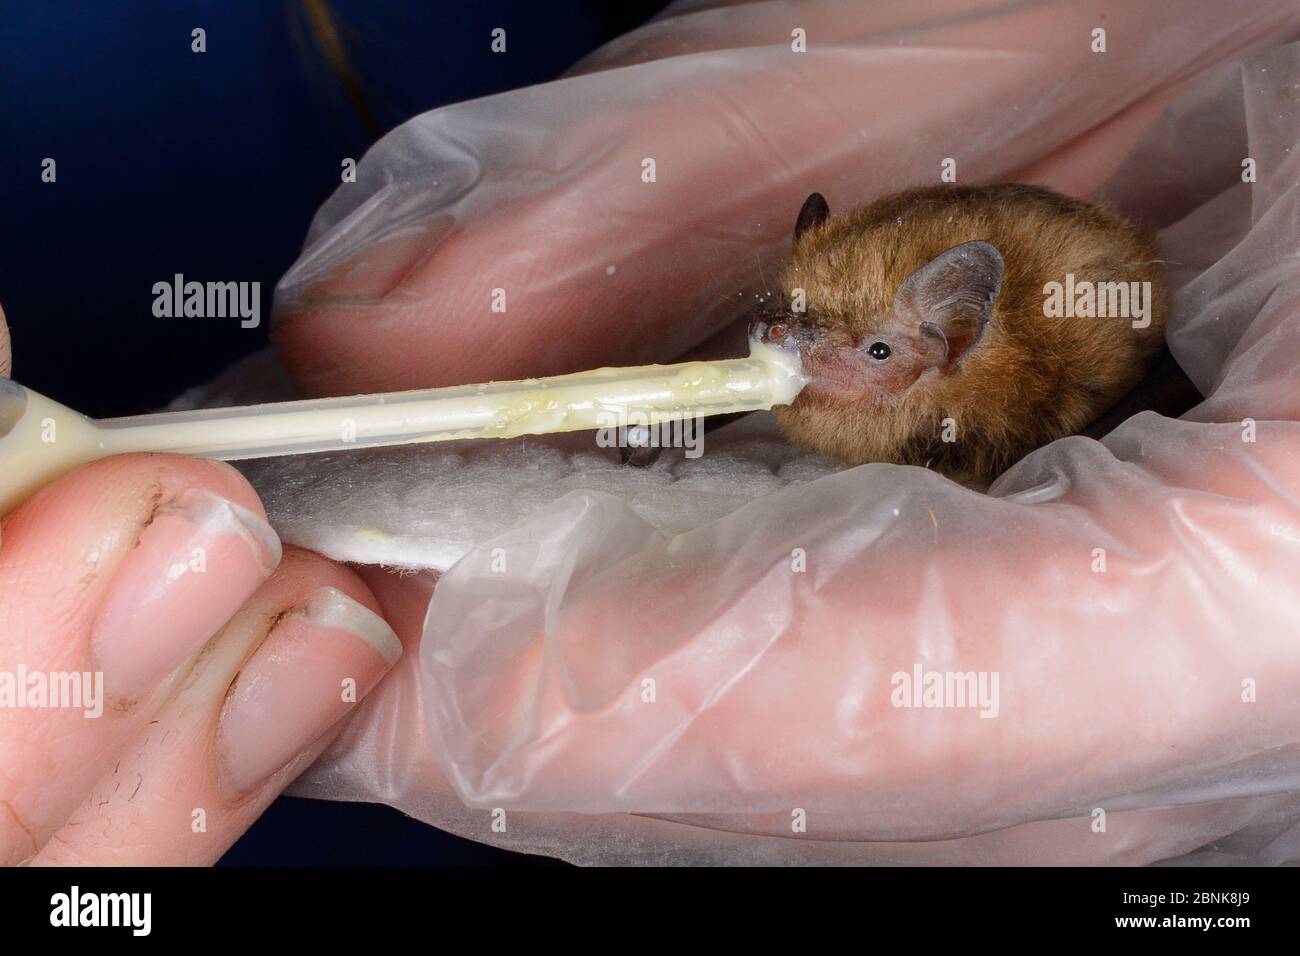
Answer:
x=212 y=165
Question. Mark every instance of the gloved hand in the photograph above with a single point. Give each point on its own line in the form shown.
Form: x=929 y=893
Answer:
x=1134 y=599
x=131 y=593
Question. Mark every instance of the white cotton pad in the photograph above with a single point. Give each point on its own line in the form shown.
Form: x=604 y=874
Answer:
x=423 y=507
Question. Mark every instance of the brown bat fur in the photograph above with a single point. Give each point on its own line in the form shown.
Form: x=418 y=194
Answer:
x=1025 y=381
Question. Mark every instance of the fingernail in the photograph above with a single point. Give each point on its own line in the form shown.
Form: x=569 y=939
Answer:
x=196 y=563
x=318 y=661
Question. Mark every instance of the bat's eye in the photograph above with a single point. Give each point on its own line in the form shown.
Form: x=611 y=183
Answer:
x=879 y=351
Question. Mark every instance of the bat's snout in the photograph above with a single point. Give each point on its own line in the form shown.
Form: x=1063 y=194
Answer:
x=794 y=336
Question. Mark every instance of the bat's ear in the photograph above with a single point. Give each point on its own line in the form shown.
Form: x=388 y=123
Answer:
x=814 y=213
x=951 y=297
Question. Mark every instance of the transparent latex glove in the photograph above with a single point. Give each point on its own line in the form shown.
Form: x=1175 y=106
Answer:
x=1134 y=598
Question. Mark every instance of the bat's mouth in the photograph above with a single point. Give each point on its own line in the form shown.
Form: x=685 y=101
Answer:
x=836 y=371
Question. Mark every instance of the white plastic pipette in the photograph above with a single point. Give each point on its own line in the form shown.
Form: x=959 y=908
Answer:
x=41 y=439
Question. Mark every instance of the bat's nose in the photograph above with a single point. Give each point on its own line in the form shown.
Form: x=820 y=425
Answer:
x=763 y=331
x=786 y=335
